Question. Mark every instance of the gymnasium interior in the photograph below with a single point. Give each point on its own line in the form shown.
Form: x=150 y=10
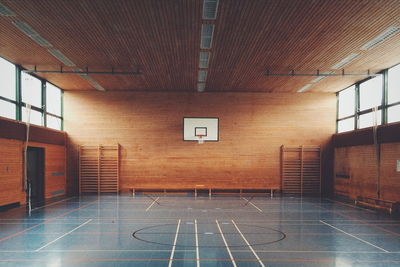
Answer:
x=199 y=133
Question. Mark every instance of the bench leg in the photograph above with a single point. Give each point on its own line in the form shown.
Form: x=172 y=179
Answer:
x=195 y=192
x=272 y=193
x=209 y=192
x=133 y=192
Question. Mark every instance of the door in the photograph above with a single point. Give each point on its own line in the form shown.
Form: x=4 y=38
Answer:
x=35 y=172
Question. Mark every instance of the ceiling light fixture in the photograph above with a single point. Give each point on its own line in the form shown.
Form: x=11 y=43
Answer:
x=202 y=75
x=5 y=11
x=201 y=87
x=210 y=8
x=61 y=57
x=204 y=59
x=380 y=38
x=304 y=88
x=31 y=33
x=207 y=31
x=345 y=61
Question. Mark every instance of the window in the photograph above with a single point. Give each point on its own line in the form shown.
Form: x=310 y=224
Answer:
x=31 y=89
x=347 y=102
x=7 y=109
x=35 y=117
x=370 y=119
x=393 y=114
x=394 y=85
x=371 y=93
x=54 y=122
x=345 y=125
x=46 y=110
x=7 y=78
x=53 y=99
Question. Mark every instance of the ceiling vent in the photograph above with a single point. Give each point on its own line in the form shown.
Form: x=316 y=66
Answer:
x=345 y=61
x=202 y=75
x=382 y=37
x=4 y=11
x=305 y=88
x=61 y=57
x=204 y=58
x=201 y=87
x=207 y=31
x=31 y=33
x=210 y=8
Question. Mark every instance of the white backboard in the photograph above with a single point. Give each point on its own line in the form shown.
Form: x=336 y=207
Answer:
x=207 y=127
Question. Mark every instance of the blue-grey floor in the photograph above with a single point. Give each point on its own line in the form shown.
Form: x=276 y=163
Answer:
x=166 y=230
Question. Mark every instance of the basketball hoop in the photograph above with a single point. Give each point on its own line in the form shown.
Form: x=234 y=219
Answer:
x=201 y=140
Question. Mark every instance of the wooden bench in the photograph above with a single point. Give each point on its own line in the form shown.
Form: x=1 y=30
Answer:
x=210 y=189
x=379 y=204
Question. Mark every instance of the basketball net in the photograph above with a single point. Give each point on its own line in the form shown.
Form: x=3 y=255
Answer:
x=201 y=140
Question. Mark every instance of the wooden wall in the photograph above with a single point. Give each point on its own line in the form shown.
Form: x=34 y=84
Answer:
x=12 y=134
x=356 y=166
x=148 y=126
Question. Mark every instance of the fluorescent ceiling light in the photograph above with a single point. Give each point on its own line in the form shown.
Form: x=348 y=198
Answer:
x=5 y=11
x=92 y=82
x=204 y=59
x=31 y=33
x=323 y=76
x=210 y=8
x=207 y=31
x=382 y=37
x=202 y=75
x=304 y=88
x=201 y=87
x=345 y=61
x=61 y=57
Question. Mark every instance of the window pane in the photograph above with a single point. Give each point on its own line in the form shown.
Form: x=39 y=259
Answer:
x=7 y=78
x=394 y=84
x=371 y=93
x=7 y=109
x=394 y=114
x=31 y=90
x=346 y=125
x=53 y=99
x=53 y=122
x=346 y=102
x=368 y=120
x=35 y=117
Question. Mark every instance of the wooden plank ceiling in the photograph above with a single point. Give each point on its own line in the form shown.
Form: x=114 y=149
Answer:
x=162 y=38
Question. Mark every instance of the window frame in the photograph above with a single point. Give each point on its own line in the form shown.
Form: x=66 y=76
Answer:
x=383 y=107
x=19 y=104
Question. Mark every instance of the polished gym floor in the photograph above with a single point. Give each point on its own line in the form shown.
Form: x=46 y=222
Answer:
x=183 y=230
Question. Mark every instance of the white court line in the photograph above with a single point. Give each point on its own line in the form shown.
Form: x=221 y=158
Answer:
x=197 y=243
x=154 y=201
x=260 y=210
x=52 y=204
x=226 y=245
x=88 y=221
x=362 y=240
x=248 y=244
x=171 y=258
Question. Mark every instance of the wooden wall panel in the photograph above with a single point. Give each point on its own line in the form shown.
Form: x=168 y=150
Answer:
x=148 y=126
x=11 y=175
x=55 y=169
x=11 y=160
x=360 y=165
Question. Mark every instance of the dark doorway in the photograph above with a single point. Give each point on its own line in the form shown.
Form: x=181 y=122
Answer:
x=35 y=171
